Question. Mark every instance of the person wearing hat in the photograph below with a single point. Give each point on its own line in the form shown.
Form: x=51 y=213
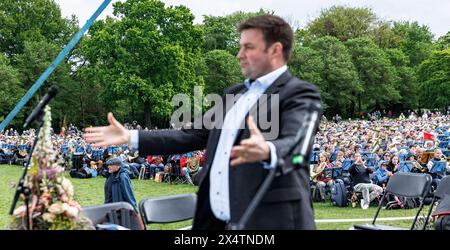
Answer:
x=118 y=185
x=382 y=174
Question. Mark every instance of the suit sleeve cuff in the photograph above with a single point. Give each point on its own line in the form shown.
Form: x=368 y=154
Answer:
x=273 y=157
x=134 y=139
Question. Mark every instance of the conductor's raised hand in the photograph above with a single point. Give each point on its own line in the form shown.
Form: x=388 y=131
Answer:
x=114 y=134
x=253 y=149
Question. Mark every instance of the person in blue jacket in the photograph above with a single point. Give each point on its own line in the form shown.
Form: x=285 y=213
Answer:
x=382 y=174
x=118 y=185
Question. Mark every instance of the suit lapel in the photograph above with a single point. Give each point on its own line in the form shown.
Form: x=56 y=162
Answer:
x=272 y=89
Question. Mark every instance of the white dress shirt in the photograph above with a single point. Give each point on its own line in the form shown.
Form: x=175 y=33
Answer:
x=219 y=189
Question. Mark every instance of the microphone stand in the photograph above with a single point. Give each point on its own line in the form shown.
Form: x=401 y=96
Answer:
x=304 y=132
x=21 y=188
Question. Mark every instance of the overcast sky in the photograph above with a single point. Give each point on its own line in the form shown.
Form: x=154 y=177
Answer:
x=433 y=13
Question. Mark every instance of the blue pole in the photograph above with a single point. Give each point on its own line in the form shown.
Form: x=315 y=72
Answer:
x=52 y=67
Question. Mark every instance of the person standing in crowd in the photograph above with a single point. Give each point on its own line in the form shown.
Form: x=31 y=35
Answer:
x=237 y=160
x=118 y=184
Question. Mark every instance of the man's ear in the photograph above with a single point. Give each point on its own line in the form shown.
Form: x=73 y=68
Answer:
x=277 y=48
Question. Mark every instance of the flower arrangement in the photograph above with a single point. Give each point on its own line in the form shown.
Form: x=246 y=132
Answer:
x=52 y=205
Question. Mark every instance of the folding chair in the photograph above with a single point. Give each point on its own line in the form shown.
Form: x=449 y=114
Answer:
x=168 y=209
x=442 y=189
x=119 y=213
x=410 y=185
x=142 y=171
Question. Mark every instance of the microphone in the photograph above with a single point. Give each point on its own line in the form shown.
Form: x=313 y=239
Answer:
x=307 y=132
x=40 y=107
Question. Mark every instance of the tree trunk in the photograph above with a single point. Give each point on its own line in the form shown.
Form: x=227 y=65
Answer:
x=359 y=103
x=147 y=112
x=352 y=109
x=81 y=103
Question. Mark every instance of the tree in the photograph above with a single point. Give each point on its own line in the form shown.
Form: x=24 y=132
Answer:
x=32 y=20
x=307 y=64
x=434 y=79
x=223 y=71
x=340 y=84
x=221 y=31
x=375 y=72
x=343 y=23
x=34 y=60
x=146 y=56
x=10 y=89
x=443 y=42
x=406 y=83
x=415 y=41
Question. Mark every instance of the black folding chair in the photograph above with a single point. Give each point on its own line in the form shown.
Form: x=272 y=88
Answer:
x=119 y=213
x=442 y=189
x=409 y=185
x=168 y=209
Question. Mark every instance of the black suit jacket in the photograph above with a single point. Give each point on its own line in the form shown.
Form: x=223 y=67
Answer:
x=287 y=204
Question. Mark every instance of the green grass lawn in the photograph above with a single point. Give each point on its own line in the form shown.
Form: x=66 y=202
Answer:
x=90 y=192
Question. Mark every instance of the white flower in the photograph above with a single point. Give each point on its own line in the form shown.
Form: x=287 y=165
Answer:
x=72 y=212
x=67 y=186
x=48 y=217
x=56 y=209
x=64 y=207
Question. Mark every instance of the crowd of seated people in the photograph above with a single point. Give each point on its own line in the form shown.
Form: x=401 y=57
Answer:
x=386 y=146
x=84 y=161
x=14 y=148
x=369 y=152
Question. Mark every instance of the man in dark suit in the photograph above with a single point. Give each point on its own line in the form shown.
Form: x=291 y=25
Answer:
x=238 y=158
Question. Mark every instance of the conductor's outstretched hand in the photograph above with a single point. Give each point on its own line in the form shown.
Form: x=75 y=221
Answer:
x=114 y=134
x=253 y=149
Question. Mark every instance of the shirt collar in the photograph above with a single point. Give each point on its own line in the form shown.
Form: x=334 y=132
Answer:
x=268 y=79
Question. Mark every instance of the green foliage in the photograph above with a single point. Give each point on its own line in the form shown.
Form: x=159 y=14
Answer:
x=133 y=64
x=434 y=79
x=375 y=72
x=415 y=41
x=343 y=23
x=221 y=31
x=148 y=55
x=10 y=89
x=32 y=20
x=223 y=71
x=34 y=60
x=406 y=80
x=443 y=42
x=339 y=82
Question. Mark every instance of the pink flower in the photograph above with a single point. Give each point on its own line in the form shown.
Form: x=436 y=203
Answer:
x=73 y=203
x=20 y=211
x=72 y=212
x=64 y=198
x=56 y=209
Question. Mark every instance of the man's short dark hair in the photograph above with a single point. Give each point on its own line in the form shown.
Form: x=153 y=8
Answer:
x=274 y=29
